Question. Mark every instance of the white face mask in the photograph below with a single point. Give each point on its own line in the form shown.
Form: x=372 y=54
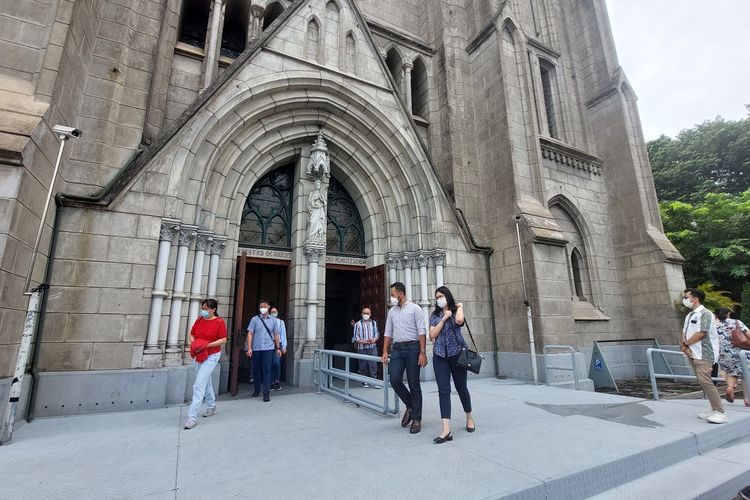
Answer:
x=275 y=315
x=263 y=310
x=365 y=317
x=394 y=301
x=442 y=302
x=687 y=303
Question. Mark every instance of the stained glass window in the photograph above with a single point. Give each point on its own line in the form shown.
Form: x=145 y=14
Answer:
x=344 y=234
x=267 y=216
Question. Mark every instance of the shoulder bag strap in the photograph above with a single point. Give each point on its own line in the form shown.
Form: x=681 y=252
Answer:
x=466 y=324
x=269 y=331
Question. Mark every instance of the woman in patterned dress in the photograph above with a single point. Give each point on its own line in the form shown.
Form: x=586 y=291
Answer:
x=729 y=356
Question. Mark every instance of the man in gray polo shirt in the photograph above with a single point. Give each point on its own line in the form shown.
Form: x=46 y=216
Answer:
x=406 y=331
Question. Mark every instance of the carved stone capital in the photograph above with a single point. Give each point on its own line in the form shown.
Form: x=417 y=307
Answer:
x=408 y=66
x=169 y=228
x=438 y=258
x=391 y=261
x=408 y=261
x=257 y=11
x=218 y=245
x=203 y=241
x=314 y=253
x=423 y=259
x=187 y=235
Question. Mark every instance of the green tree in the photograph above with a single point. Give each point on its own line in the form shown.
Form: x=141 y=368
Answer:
x=714 y=237
x=746 y=303
x=713 y=157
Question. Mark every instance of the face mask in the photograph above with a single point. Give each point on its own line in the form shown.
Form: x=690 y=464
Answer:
x=263 y=310
x=394 y=301
x=205 y=314
x=687 y=303
x=365 y=317
x=442 y=302
x=275 y=315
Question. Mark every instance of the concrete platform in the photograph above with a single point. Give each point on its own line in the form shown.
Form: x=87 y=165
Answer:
x=531 y=442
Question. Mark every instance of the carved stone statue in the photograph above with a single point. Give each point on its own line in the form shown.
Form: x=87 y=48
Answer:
x=317 y=204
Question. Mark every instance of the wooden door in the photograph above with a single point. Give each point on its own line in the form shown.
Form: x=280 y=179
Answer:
x=373 y=293
x=237 y=326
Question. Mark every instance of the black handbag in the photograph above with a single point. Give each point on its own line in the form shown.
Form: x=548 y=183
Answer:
x=471 y=360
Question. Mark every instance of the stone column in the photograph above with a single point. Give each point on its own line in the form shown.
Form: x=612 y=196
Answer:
x=202 y=243
x=391 y=262
x=408 y=260
x=217 y=247
x=423 y=259
x=152 y=351
x=211 y=56
x=174 y=350
x=313 y=257
x=255 y=26
x=408 y=66
x=439 y=259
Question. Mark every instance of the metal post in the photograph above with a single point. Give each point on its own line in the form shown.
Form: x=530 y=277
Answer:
x=529 y=320
x=651 y=373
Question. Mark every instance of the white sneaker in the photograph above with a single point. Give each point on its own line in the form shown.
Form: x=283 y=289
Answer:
x=210 y=412
x=718 y=417
x=705 y=415
x=190 y=424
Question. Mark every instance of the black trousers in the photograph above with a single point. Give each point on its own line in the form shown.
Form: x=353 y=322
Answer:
x=444 y=369
x=406 y=357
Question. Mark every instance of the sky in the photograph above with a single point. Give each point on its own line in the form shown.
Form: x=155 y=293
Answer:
x=687 y=60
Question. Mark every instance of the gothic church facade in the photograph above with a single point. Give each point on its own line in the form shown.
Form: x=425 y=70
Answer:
x=311 y=152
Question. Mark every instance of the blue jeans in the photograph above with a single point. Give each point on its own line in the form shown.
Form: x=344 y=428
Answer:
x=262 y=367
x=444 y=368
x=406 y=357
x=275 y=368
x=368 y=368
x=203 y=386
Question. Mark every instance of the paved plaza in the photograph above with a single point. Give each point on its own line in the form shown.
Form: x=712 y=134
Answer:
x=531 y=442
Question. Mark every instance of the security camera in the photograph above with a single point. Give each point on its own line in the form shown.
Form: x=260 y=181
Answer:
x=66 y=132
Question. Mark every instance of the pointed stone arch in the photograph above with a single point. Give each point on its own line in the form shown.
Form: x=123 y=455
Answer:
x=273 y=10
x=313 y=49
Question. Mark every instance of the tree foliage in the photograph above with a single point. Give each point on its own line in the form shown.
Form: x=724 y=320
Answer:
x=713 y=157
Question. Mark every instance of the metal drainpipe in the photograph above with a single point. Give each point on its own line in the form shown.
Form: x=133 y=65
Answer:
x=42 y=310
x=487 y=251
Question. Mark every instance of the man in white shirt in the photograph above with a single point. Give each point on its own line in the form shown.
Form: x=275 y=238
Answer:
x=700 y=343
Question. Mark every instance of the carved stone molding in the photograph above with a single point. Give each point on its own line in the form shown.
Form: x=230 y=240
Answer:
x=570 y=157
x=346 y=261
x=267 y=253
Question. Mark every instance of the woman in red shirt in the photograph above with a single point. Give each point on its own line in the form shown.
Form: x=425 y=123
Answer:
x=207 y=336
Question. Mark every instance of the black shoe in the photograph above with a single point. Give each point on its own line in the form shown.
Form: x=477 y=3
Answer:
x=255 y=394
x=266 y=398
x=470 y=429
x=277 y=386
x=416 y=426
x=407 y=418
x=440 y=440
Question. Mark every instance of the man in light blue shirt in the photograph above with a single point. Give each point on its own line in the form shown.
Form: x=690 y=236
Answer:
x=263 y=342
x=276 y=364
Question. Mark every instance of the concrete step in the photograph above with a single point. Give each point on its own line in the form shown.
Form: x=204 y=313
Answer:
x=717 y=474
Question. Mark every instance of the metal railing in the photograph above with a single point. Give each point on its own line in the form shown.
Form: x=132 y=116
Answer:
x=653 y=376
x=745 y=363
x=324 y=375
x=574 y=369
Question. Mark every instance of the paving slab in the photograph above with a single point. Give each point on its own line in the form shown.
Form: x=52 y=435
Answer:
x=531 y=442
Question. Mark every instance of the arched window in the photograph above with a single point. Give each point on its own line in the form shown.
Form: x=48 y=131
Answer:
x=344 y=235
x=550 y=97
x=267 y=216
x=332 y=34
x=578 y=266
x=395 y=66
x=273 y=10
x=234 y=34
x=580 y=287
x=419 y=86
x=313 y=40
x=351 y=54
x=194 y=23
